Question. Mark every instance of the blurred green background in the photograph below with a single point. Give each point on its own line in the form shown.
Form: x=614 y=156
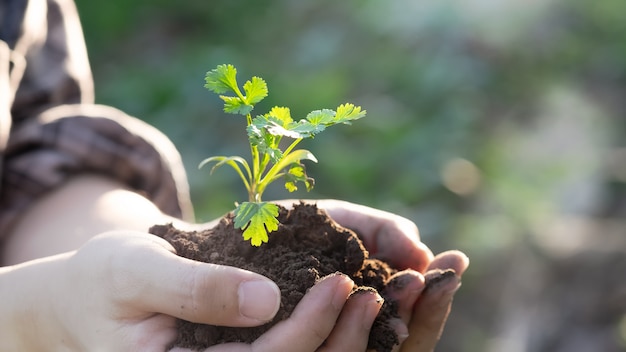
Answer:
x=497 y=126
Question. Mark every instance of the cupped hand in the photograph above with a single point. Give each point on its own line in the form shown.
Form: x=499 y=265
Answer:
x=387 y=236
x=122 y=291
x=326 y=319
x=424 y=301
x=425 y=289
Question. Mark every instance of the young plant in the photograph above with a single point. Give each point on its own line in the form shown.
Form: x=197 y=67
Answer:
x=265 y=133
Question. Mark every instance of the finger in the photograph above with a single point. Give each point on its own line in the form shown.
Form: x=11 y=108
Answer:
x=433 y=306
x=152 y=334
x=404 y=288
x=431 y=311
x=351 y=333
x=385 y=235
x=156 y=280
x=312 y=321
x=400 y=251
x=452 y=259
x=402 y=331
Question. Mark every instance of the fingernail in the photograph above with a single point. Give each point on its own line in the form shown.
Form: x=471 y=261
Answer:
x=405 y=285
x=259 y=300
x=341 y=295
x=341 y=288
x=372 y=307
x=443 y=282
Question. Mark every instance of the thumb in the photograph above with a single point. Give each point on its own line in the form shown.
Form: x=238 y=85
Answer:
x=163 y=282
x=213 y=294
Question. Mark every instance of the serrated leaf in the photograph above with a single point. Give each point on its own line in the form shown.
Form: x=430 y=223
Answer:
x=234 y=105
x=296 y=174
x=277 y=130
x=321 y=117
x=275 y=154
x=306 y=129
x=291 y=186
x=259 y=137
x=255 y=90
x=221 y=79
x=348 y=112
x=278 y=122
x=281 y=114
x=257 y=220
x=317 y=121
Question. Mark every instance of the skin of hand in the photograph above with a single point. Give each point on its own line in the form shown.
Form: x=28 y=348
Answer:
x=423 y=309
x=122 y=291
x=125 y=307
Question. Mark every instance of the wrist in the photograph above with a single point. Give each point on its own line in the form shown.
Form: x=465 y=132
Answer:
x=26 y=313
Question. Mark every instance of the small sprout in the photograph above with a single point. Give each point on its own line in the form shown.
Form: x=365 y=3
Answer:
x=269 y=162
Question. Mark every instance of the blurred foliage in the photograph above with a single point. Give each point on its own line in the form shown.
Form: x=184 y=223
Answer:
x=528 y=95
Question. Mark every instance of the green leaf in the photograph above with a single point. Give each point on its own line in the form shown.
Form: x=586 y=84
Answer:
x=221 y=79
x=317 y=121
x=276 y=129
x=255 y=132
x=265 y=142
x=321 y=117
x=232 y=161
x=297 y=173
x=234 y=105
x=278 y=123
x=221 y=160
x=348 y=112
x=255 y=89
x=257 y=220
x=306 y=129
x=282 y=114
x=294 y=157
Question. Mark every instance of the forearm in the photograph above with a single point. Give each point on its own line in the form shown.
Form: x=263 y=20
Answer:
x=73 y=214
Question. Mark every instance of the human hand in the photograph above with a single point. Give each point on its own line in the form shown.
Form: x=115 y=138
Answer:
x=425 y=289
x=122 y=291
x=424 y=302
x=326 y=319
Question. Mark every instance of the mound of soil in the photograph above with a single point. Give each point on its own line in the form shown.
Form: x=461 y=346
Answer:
x=307 y=246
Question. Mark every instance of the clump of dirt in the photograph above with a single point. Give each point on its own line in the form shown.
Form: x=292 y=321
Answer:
x=307 y=246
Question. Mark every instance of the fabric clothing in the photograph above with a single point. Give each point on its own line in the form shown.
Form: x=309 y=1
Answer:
x=50 y=128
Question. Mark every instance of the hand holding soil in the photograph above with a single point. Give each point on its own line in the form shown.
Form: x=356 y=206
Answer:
x=297 y=257
x=423 y=294
x=124 y=291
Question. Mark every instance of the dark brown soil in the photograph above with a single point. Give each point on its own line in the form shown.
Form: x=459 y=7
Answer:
x=307 y=246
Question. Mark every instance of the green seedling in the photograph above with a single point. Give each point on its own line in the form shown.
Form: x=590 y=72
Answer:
x=269 y=162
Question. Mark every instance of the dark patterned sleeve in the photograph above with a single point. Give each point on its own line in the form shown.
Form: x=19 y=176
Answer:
x=50 y=129
x=69 y=140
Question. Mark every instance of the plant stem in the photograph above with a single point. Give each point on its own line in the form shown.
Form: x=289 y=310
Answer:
x=253 y=194
x=270 y=175
x=291 y=146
